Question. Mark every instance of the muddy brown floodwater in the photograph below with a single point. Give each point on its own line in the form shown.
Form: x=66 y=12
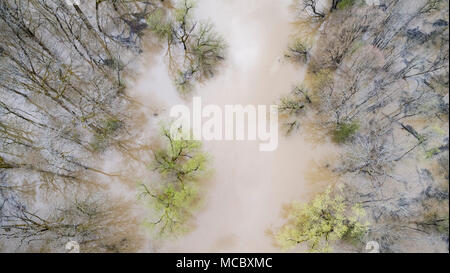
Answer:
x=248 y=188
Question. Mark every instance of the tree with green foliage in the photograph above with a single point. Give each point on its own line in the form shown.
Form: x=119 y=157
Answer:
x=180 y=164
x=344 y=131
x=182 y=159
x=159 y=24
x=299 y=50
x=175 y=204
x=344 y=4
x=292 y=105
x=194 y=48
x=324 y=220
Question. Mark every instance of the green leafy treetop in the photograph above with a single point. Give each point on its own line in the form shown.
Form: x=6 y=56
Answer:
x=194 y=48
x=344 y=131
x=326 y=219
x=173 y=205
x=182 y=159
x=180 y=165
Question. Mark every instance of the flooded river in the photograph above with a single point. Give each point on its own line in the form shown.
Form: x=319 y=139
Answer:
x=248 y=188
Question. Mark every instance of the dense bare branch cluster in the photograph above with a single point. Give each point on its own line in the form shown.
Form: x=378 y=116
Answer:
x=378 y=79
x=95 y=223
x=61 y=97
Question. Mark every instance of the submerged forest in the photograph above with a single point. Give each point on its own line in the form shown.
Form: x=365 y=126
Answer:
x=87 y=156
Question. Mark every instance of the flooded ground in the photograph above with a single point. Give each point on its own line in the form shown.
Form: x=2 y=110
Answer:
x=248 y=188
x=91 y=176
